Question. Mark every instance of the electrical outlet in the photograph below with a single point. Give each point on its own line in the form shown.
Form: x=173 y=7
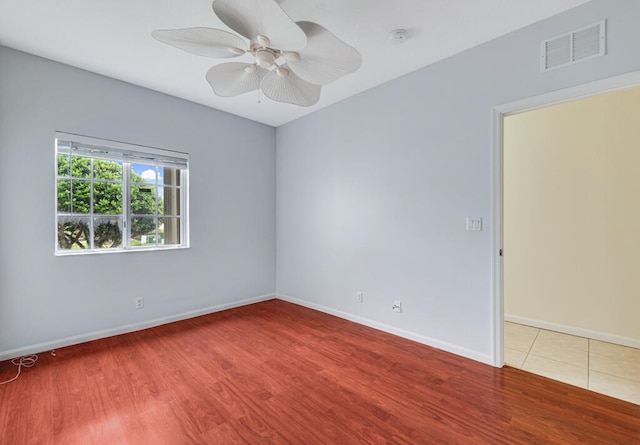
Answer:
x=397 y=306
x=359 y=297
x=139 y=303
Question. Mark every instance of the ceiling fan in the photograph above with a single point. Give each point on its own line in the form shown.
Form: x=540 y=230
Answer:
x=291 y=60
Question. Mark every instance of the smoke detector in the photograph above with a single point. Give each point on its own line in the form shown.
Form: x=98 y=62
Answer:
x=399 y=36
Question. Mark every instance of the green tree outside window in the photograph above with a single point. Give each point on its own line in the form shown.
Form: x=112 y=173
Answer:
x=74 y=202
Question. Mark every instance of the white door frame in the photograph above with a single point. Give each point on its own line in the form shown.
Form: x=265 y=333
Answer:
x=498 y=113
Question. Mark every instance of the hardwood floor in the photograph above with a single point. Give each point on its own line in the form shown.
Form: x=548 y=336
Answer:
x=277 y=373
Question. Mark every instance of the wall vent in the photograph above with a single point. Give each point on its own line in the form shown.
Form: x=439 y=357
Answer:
x=575 y=46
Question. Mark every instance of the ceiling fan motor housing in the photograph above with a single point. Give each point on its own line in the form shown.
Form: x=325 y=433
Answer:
x=266 y=57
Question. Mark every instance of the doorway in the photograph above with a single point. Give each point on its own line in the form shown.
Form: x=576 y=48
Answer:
x=560 y=256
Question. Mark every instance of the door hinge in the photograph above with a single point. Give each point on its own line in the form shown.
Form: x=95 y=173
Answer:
x=500 y=252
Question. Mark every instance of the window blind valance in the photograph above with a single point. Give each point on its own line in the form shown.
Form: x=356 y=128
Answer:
x=119 y=151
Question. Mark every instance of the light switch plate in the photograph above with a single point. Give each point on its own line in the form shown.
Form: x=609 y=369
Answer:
x=474 y=223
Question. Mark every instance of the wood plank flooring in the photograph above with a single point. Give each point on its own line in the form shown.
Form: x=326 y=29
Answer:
x=278 y=373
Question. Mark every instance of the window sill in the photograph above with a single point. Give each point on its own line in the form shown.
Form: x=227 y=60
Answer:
x=80 y=252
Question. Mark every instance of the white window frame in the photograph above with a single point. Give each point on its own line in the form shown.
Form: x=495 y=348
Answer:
x=127 y=154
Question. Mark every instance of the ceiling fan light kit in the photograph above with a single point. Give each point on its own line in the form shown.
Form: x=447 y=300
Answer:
x=291 y=60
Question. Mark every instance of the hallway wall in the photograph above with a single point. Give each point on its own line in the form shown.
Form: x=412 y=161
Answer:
x=571 y=213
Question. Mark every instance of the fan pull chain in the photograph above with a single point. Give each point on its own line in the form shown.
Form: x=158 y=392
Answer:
x=259 y=101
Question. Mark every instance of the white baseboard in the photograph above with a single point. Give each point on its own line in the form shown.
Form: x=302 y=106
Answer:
x=95 y=335
x=454 y=349
x=572 y=330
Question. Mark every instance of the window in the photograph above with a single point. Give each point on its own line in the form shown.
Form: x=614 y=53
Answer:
x=112 y=196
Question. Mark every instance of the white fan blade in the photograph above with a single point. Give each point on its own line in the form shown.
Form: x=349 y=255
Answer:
x=253 y=18
x=326 y=58
x=234 y=78
x=208 y=42
x=290 y=88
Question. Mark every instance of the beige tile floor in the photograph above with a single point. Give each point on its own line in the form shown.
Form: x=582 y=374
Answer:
x=602 y=367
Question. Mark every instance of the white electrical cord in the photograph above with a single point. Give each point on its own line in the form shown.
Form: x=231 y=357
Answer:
x=27 y=362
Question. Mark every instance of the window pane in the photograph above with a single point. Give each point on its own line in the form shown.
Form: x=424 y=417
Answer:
x=160 y=192
x=169 y=231
x=64 y=165
x=170 y=201
x=143 y=173
x=73 y=232
x=80 y=167
x=169 y=176
x=81 y=193
x=143 y=199
x=107 y=232
x=64 y=196
x=143 y=231
x=111 y=170
x=107 y=198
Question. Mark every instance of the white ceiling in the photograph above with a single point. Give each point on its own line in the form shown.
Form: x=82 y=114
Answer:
x=113 y=38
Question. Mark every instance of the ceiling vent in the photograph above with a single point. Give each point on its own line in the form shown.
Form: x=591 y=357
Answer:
x=575 y=46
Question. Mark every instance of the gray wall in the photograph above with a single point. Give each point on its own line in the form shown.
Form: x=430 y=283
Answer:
x=373 y=192
x=46 y=300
